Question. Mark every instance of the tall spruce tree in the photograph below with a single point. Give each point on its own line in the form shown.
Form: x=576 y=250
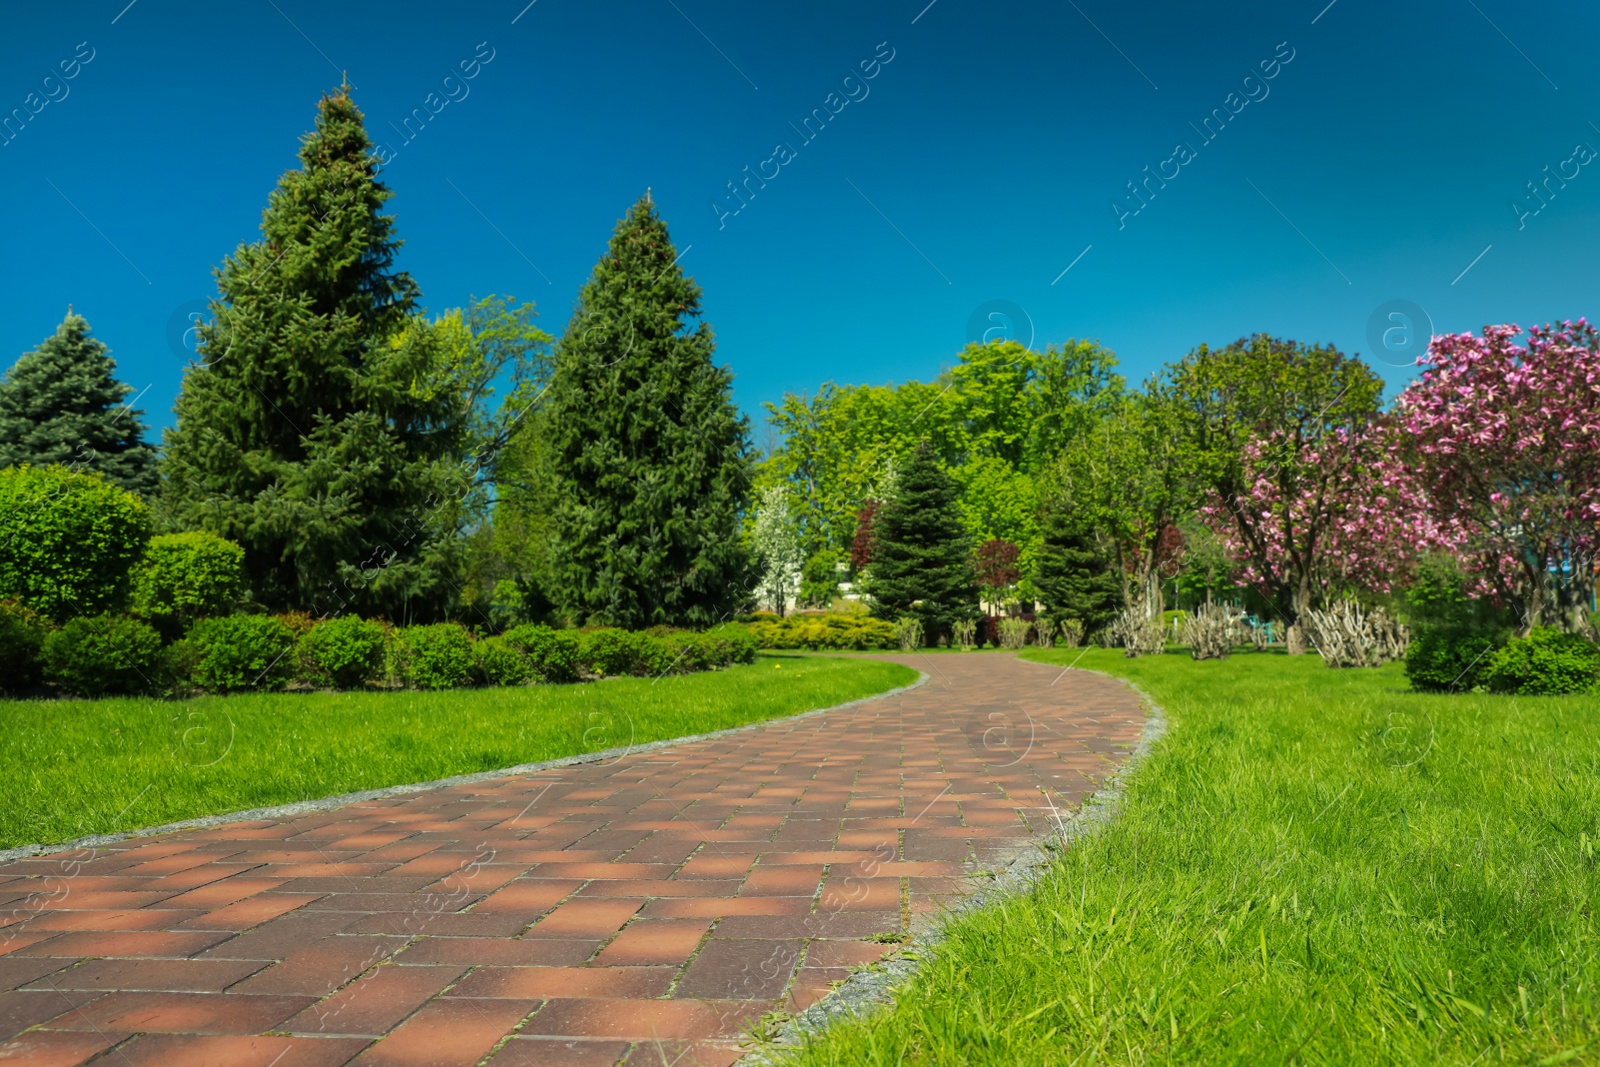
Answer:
x=922 y=558
x=648 y=459
x=1075 y=580
x=62 y=404
x=317 y=429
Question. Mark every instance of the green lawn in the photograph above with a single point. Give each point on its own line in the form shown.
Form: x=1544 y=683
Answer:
x=1315 y=867
x=75 y=767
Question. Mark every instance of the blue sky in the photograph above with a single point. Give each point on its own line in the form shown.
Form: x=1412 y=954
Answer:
x=1379 y=163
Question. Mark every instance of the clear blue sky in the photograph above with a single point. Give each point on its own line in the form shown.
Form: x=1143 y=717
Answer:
x=984 y=158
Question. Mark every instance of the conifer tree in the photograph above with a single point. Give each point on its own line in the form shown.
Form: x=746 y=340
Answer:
x=922 y=557
x=62 y=404
x=1074 y=579
x=648 y=459
x=316 y=429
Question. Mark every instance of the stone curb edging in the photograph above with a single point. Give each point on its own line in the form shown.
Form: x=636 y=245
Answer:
x=304 y=807
x=871 y=990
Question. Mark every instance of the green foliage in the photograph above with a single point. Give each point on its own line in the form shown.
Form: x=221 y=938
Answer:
x=552 y=654
x=1450 y=658
x=184 y=576
x=923 y=565
x=1074 y=579
x=235 y=652
x=22 y=634
x=62 y=404
x=1548 y=662
x=648 y=457
x=346 y=651
x=498 y=662
x=609 y=651
x=67 y=540
x=100 y=655
x=819 y=578
x=826 y=631
x=439 y=656
x=324 y=426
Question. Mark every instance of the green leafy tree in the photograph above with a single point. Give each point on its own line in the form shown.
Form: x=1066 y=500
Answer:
x=647 y=455
x=922 y=565
x=62 y=404
x=1075 y=578
x=67 y=540
x=1268 y=417
x=819 y=578
x=323 y=427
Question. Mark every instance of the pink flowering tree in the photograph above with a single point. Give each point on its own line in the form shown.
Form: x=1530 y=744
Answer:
x=1287 y=447
x=1503 y=449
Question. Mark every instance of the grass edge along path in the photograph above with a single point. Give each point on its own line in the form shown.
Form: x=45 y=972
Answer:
x=74 y=768
x=1313 y=867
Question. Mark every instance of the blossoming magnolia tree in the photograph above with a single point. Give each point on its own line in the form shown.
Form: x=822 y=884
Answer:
x=1503 y=449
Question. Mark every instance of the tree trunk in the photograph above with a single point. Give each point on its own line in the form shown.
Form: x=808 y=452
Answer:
x=1294 y=638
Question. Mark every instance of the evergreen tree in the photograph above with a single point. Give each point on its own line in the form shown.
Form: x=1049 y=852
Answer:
x=62 y=404
x=1074 y=579
x=648 y=460
x=922 y=559
x=321 y=427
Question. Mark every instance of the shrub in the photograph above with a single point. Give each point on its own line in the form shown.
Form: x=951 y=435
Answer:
x=346 y=651
x=1545 y=663
x=67 y=540
x=831 y=630
x=552 y=654
x=607 y=651
x=186 y=576
x=99 y=655
x=1450 y=658
x=435 y=657
x=498 y=662
x=22 y=634
x=736 y=643
x=242 y=652
x=908 y=629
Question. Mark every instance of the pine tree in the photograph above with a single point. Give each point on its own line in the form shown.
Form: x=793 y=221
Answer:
x=1074 y=580
x=317 y=429
x=648 y=457
x=62 y=404
x=922 y=559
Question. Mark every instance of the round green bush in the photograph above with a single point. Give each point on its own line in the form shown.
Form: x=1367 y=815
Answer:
x=102 y=655
x=1548 y=662
x=552 y=654
x=345 y=652
x=185 y=576
x=1450 y=658
x=734 y=643
x=435 y=657
x=67 y=540
x=22 y=634
x=498 y=662
x=607 y=651
x=242 y=652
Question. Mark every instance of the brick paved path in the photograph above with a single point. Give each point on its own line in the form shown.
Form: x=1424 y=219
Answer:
x=643 y=910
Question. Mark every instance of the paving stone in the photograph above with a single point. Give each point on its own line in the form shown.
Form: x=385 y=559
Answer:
x=558 y=907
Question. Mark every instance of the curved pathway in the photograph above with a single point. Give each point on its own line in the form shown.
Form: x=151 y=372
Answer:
x=648 y=909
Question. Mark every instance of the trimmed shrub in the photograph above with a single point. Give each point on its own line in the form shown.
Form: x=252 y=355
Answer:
x=824 y=631
x=1449 y=658
x=242 y=652
x=607 y=651
x=22 y=634
x=185 y=576
x=1547 y=662
x=435 y=657
x=177 y=666
x=736 y=644
x=101 y=655
x=346 y=651
x=552 y=654
x=498 y=662
x=67 y=540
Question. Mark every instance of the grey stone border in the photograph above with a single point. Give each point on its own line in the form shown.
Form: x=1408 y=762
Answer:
x=304 y=807
x=871 y=990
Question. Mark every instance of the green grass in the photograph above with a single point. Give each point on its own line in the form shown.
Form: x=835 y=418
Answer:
x=1315 y=867
x=75 y=767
